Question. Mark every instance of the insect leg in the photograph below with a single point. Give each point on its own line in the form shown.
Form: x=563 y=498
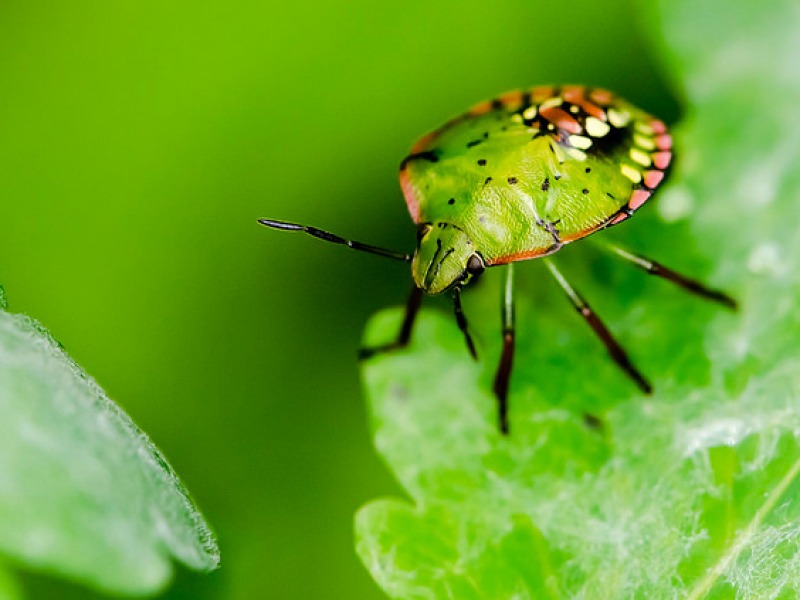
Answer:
x=412 y=308
x=614 y=349
x=690 y=285
x=462 y=321
x=501 y=378
x=330 y=237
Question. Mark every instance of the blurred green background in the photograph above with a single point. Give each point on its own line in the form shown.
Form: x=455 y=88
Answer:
x=139 y=142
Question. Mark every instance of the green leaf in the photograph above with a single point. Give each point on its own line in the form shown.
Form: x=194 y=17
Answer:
x=693 y=492
x=83 y=492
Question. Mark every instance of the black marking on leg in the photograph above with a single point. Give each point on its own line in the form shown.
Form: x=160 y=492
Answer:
x=503 y=375
x=502 y=379
x=473 y=143
x=616 y=351
x=690 y=285
x=546 y=184
x=404 y=336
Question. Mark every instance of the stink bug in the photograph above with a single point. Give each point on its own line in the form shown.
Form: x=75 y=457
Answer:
x=517 y=178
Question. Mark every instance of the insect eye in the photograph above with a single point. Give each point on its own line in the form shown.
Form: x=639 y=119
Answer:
x=475 y=265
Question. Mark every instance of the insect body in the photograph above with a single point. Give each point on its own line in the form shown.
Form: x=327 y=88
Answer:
x=517 y=178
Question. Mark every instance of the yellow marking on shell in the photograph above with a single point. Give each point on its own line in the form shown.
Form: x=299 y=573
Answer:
x=580 y=141
x=645 y=142
x=643 y=128
x=576 y=154
x=516 y=118
x=596 y=128
x=618 y=118
x=641 y=157
x=530 y=112
x=631 y=173
x=552 y=102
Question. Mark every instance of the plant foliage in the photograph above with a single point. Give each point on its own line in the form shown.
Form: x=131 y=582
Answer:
x=83 y=492
x=690 y=493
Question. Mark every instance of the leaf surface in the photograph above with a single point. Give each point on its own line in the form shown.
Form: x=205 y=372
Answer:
x=600 y=492
x=83 y=492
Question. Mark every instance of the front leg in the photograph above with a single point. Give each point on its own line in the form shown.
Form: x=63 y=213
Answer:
x=412 y=308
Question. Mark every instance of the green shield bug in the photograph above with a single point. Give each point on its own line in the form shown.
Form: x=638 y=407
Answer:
x=517 y=178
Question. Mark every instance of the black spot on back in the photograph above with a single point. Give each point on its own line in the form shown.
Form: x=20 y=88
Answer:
x=481 y=162
x=451 y=201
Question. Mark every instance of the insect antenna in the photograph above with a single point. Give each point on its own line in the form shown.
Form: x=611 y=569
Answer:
x=690 y=285
x=462 y=321
x=330 y=237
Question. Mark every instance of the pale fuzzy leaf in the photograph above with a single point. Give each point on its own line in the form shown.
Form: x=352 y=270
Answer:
x=693 y=492
x=83 y=492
